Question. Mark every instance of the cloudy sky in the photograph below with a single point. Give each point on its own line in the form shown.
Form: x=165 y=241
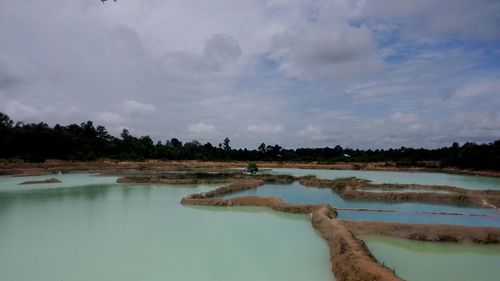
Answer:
x=367 y=74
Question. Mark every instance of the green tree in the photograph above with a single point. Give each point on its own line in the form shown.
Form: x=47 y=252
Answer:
x=252 y=168
x=226 y=144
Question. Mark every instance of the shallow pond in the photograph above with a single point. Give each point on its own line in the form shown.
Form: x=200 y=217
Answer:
x=375 y=190
x=422 y=261
x=464 y=181
x=299 y=194
x=88 y=228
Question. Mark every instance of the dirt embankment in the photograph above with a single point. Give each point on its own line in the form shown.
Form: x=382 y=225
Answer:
x=208 y=199
x=351 y=259
x=353 y=188
x=175 y=178
x=426 y=232
x=52 y=180
x=202 y=177
x=54 y=166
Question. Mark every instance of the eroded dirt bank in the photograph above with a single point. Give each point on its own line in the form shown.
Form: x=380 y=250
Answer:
x=351 y=259
x=52 y=180
x=353 y=188
x=425 y=232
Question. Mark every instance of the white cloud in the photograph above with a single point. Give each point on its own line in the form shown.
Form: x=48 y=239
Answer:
x=202 y=128
x=29 y=113
x=315 y=133
x=110 y=118
x=383 y=90
x=264 y=129
x=333 y=114
x=22 y=111
x=479 y=88
x=403 y=118
x=131 y=107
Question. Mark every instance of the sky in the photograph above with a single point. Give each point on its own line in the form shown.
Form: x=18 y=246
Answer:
x=299 y=73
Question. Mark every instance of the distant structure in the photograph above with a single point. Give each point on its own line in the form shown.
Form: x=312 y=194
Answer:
x=106 y=0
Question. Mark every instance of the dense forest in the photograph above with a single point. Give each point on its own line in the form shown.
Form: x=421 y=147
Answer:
x=37 y=142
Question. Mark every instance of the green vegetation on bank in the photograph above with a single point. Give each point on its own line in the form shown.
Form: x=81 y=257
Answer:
x=37 y=142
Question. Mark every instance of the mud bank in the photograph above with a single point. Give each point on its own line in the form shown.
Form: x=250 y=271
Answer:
x=353 y=188
x=203 y=177
x=426 y=232
x=176 y=178
x=351 y=259
x=52 y=180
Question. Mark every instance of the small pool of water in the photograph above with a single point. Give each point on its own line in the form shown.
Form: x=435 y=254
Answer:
x=403 y=190
x=463 y=181
x=298 y=194
x=423 y=261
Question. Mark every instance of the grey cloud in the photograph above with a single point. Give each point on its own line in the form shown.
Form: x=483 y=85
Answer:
x=221 y=49
x=220 y=52
x=7 y=79
x=471 y=19
x=125 y=42
x=319 y=51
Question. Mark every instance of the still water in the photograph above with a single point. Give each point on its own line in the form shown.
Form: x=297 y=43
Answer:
x=409 y=211
x=89 y=228
x=464 y=181
x=423 y=261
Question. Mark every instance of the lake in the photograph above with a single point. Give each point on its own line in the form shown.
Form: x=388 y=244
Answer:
x=89 y=228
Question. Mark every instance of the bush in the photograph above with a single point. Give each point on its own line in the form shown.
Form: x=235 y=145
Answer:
x=252 y=168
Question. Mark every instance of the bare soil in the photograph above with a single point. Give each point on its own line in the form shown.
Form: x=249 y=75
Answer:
x=54 y=166
x=52 y=180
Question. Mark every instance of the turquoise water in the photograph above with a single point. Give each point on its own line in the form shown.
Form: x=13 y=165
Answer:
x=89 y=228
x=374 y=190
x=464 y=181
x=13 y=184
x=298 y=194
x=423 y=261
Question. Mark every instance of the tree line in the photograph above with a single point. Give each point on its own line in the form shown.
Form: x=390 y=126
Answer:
x=36 y=142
